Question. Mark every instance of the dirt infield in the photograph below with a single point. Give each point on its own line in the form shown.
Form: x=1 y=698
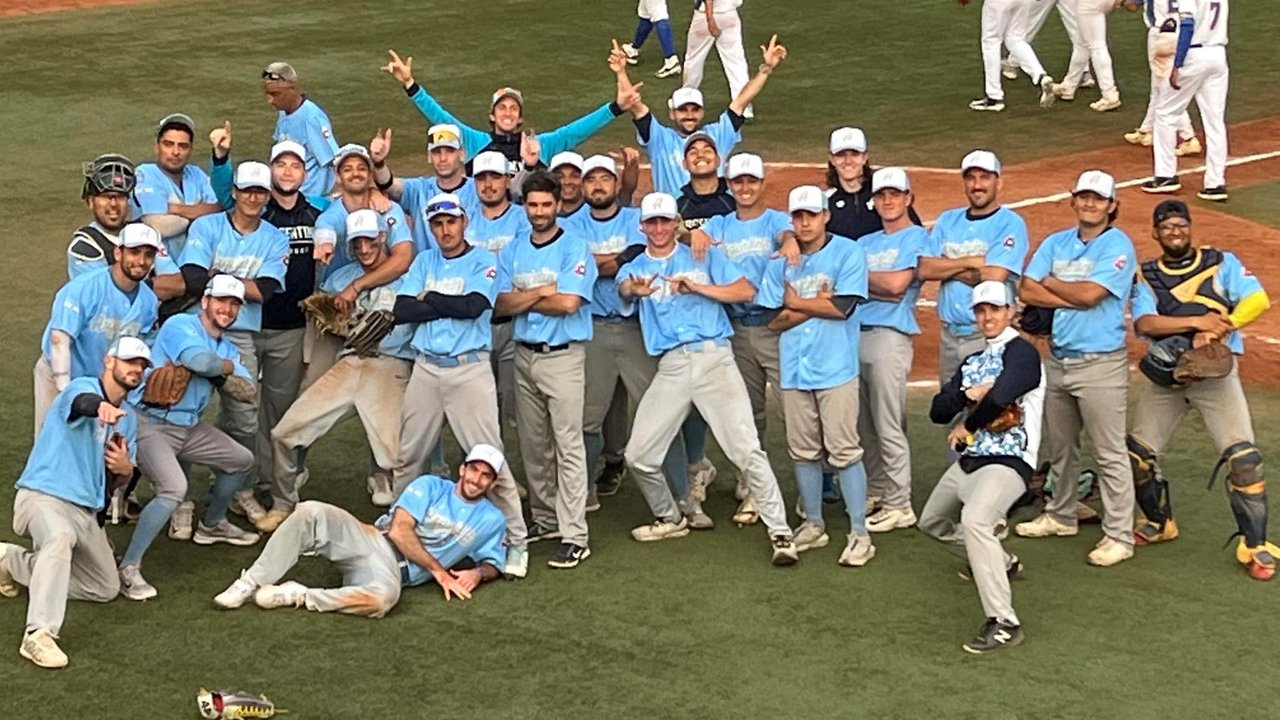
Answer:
x=33 y=7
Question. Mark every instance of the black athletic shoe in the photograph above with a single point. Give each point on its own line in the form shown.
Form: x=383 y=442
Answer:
x=987 y=104
x=1162 y=185
x=610 y=479
x=568 y=556
x=1215 y=194
x=538 y=532
x=1014 y=570
x=994 y=636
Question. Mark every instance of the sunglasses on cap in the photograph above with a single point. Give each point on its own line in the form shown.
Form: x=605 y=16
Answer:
x=274 y=76
x=443 y=206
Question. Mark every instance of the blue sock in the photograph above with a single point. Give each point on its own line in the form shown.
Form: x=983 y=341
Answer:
x=809 y=483
x=642 y=32
x=853 y=486
x=224 y=488
x=152 y=520
x=594 y=443
x=664 y=37
x=695 y=437
x=676 y=469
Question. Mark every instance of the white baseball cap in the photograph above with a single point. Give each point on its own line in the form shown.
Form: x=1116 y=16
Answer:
x=990 y=292
x=745 y=164
x=1096 y=181
x=363 y=224
x=982 y=160
x=658 y=205
x=445 y=135
x=487 y=454
x=349 y=150
x=128 y=347
x=445 y=204
x=489 y=161
x=137 y=234
x=599 y=162
x=253 y=174
x=807 y=198
x=848 y=138
x=286 y=147
x=572 y=159
x=890 y=177
x=685 y=96
x=221 y=286
x=510 y=92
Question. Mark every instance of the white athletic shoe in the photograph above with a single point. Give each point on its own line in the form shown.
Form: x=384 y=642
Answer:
x=379 y=485
x=748 y=513
x=886 y=519
x=134 y=586
x=633 y=55
x=858 y=551
x=1045 y=525
x=1047 y=95
x=8 y=587
x=660 y=530
x=749 y=113
x=742 y=489
x=1110 y=552
x=517 y=563
x=986 y=104
x=701 y=475
x=1190 y=146
x=784 y=551
x=1009 y=68
x=698 y=519
x=238 y=594
x=287 y=594
x=1106 y=104
x=1063 y=93
x=41 y=648
x=1087 y=80
x=182 y=522
x=810 y=536
x=246 y=503
x=873 y=504
x=671 y=66
x=1138 y=136
x=224 y=532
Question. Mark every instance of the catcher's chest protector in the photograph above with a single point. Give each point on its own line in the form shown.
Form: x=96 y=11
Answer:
x=1190 y=290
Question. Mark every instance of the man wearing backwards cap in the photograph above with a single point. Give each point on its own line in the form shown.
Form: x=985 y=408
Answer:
x=814 y=302
x=996 y=458
x=1084 y=276
x=172 y=192
x=445 y=302
x=92 y=310
x=681 y=302
x=888 y=321
x=982 y=241
x=433 y=527
x=371 y=385
x=81 y=456
x=356 y=191
x=506 y=116
x=301 y=121
x=1201 y=295
x=667 y=145
x=444 y=152
x=108 y=189
x=172 y=438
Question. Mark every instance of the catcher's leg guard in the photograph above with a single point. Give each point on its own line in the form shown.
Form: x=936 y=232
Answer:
x=1247 y=492
x=1151 y=491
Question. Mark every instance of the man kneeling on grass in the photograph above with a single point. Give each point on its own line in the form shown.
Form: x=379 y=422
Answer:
x=432 y=527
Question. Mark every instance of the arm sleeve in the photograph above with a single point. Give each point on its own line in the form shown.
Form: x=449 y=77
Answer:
x=1186 y=29
x=630 y=253
x=203 y=362
x=220 y=177
x=846 y=303
x=195 y=278
x=949 y=401
x=267 y=286
x=1019 y=376
x=435 y=305
x=84 y=405
x=644 y=125
x=572 y=134
x=472 y=139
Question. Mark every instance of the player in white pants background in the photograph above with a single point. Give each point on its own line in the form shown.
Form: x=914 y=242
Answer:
x=1162 y=41
x=1089 y=47
x=717 y=23
x=1032 y=18
x=654 y=15
x=1002 y=23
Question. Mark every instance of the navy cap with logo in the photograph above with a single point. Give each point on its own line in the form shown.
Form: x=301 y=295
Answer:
x=1171 y=209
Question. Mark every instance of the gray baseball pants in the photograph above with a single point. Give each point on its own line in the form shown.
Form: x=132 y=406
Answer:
x=885 y=357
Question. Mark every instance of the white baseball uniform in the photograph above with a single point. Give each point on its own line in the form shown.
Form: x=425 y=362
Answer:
x=1003 y=22
x=1160 y=47
x=728 y=44
x=1090 y=47
x=1204 y=77
x=653 y=10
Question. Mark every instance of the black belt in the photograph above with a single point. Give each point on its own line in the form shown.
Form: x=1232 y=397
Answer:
x=404 y=564
x=543 y=347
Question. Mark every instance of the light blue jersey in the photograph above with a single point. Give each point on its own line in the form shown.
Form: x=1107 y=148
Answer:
x=215 y=245
x=475 y=271
x=1107 y=260
x=67 y=460
x=568 y=264
x=666 y=150
x=609 y=236
x=1000 y=238
x=749 y=244
x=155 y=190
x=222 y=177
x=418 y=192
x=180 y=340
x=450 y=528
x=819 y=353
x=309 y=126
x=93 y=311
x=495 y=234
x=331 y=227
x=383 y=297
x=1233 y=281
x=887 y=253
x=668 y=319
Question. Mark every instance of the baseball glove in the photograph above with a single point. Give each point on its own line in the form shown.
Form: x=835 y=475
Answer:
x=1212 y=360
x=368 y=329
x=324 y=313
x=239 y=389
x=233 y=705
x=166 y=385
x=1009 y=418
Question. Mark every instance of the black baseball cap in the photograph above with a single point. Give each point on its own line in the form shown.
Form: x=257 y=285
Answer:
x=1170 y=209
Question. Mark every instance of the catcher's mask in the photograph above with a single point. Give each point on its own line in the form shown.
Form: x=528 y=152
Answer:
x=109 y=173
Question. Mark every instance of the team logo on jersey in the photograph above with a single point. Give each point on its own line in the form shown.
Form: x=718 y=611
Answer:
x=1008 y=241
x=580 y=269
x=840 y=204
x=391 y=222
x=1246 y=272
x=1120 y=262
x=324 y=131
x=491 y=272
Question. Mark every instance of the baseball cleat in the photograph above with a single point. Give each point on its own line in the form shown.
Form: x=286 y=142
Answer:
x=272 y=520
x=593 y=500
x=810 y=536
x=245 y=503
x=8 y=587
x=1190 y=146
x=1009 y=69
x=224 y=532
x=1106 y=104
x=886 y=519
x=858 y=551
x=1161 y=185
x=743 y=488
x=671 y=66
x=1110 y=552
x=238 y=593
x=1061 y=92
x=633 y=55
x=1087 y=81
x=660 y=529
x=1215 y=194
x=538 y=532
x=286 y=594
x=133 y=585
x=40 y=647
x=697 y=517
x=994 y=636
x=873 y=503
x=701 y=475
x=182 y=522
x=1047 y=95
x=784 y=551
x=379 y=486
x=611 y=477
x=1013 y=570
x=749 y=113
x=747 y=513
x=1146 y=532
x=986 y=104
x=517 y=565
x=569 y=556
x=1045 y=525
x=1138 y=136
x=1258 y=561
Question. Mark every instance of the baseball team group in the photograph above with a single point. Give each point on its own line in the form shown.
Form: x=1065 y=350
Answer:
x=523 y=285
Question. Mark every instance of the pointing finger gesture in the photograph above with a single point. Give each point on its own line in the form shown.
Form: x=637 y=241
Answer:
x=773 y=52
x=401 y=70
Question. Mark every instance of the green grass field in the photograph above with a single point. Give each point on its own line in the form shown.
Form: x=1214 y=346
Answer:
x=700 y=627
